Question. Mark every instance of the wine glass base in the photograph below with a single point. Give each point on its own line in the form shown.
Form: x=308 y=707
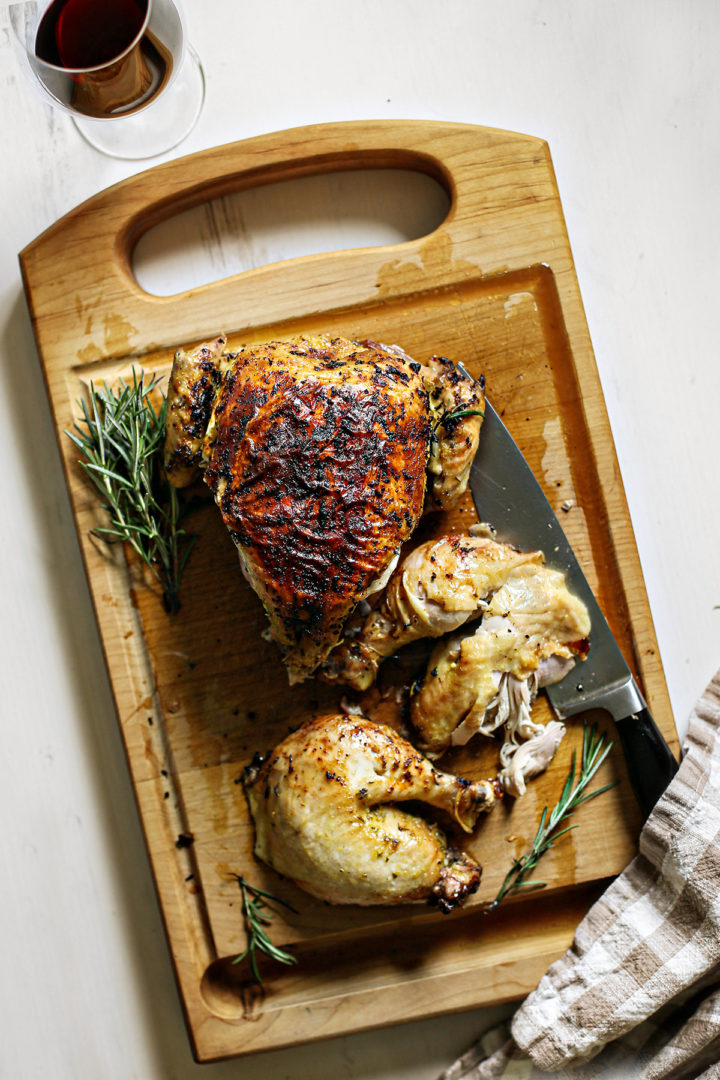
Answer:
x=159 y=127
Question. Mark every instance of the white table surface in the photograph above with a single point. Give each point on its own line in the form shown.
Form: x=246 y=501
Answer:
x=627 y=95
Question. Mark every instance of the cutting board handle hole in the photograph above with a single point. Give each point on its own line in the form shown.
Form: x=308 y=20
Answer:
x=286 y=219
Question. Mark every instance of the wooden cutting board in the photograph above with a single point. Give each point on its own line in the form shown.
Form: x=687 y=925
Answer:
x=199 y=692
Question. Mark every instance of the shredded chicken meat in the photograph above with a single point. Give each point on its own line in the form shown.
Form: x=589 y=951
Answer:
x=508 y=625
x=479 y=682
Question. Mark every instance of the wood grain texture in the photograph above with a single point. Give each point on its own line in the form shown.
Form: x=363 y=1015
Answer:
x=197 y=694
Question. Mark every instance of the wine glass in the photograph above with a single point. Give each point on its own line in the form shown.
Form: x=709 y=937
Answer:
x=122 y=69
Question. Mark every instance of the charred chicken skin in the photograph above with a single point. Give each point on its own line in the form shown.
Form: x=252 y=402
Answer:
x=317 y=452
x=325 y=809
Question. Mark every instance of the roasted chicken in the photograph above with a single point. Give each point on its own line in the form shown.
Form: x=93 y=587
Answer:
x=476 y=682
x=528 y=631
x=439 y=587
x=325 y=809
x=318 y=453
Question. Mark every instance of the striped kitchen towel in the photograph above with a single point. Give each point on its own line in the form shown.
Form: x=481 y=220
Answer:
x=638 y=993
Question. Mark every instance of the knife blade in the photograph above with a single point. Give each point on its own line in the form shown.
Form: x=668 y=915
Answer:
x=508 y=496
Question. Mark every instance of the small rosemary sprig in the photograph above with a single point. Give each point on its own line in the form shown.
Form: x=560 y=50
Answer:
x=456 y=414
x=594 y=752
x=120 y=435
x=451 y=417
x=256 y=909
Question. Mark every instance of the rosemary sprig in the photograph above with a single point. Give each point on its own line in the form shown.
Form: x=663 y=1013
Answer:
x=256 y=909
x=456 y=414
x=594 y=752
x=120 y=435
x=451 y=417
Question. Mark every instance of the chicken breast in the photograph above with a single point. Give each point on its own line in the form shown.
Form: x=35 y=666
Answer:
x=324 y=804
x=316 y=451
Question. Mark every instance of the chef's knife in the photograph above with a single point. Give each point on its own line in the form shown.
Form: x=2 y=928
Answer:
x=507 y=496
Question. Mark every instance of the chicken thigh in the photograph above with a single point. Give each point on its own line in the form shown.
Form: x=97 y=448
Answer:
x=317 y=451
x=324 y=804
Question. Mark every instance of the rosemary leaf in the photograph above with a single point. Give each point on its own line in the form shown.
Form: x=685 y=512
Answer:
x=120 y=435
x=594 y=752
x=257 y=912
x=451 y=417
x=457 y=414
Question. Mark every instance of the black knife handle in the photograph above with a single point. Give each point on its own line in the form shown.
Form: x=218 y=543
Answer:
x=650 y=763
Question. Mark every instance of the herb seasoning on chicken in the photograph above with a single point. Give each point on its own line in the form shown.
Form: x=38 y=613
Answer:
x=325 y=809
x=527 y=631
x=484 y=679
x=439 y=587
x=317 y=452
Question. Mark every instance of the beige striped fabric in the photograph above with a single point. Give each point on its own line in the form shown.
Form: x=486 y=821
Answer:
x=638 y=993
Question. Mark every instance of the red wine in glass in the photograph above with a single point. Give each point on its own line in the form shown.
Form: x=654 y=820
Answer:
x=106 y=59
x=80 y=34
x=123 y=69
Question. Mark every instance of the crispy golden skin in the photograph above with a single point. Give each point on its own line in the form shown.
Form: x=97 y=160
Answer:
x=324 y=809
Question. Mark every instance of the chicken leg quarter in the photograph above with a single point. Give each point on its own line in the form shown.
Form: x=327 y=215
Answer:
x=325 y=813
